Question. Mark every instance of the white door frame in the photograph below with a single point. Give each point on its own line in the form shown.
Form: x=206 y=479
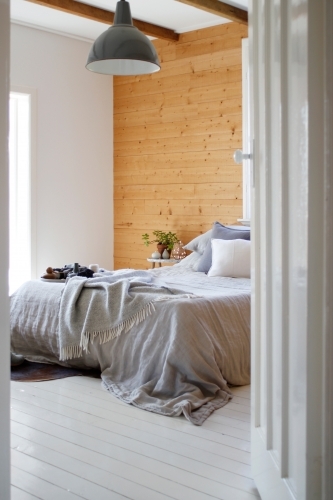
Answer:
x=292 y=229
x=246 y=139
x=4 y=302
x=328 y=252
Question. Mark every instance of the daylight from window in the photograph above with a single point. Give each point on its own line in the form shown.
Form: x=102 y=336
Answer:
x=19 y=190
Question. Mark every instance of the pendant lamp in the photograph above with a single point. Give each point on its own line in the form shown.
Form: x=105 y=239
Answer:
x=123 y=49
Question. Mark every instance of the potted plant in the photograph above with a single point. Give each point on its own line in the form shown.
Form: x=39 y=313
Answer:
x=165 y=241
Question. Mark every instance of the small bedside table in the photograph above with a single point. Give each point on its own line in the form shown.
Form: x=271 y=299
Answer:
x=161 y=261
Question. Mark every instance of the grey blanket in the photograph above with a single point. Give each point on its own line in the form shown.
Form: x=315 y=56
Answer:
x=177 y=361
x=105 y=307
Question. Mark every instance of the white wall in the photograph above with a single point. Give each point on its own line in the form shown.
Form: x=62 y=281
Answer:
x=4 y=324
x=74 y=152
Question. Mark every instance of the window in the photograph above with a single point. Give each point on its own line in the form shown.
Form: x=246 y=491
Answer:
x=20 y=183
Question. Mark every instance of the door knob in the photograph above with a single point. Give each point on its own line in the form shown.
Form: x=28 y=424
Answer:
x=239 y=156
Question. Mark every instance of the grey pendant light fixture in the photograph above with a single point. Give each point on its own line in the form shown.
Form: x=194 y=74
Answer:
x=123 y=49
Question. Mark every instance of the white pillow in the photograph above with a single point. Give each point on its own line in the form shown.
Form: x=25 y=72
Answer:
x=191 y=261
x=231 y=258
x=199 y=243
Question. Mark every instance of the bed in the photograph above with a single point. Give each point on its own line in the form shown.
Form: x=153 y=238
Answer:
x=181 y=358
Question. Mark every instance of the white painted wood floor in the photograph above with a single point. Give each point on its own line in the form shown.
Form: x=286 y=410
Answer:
x=72 y=439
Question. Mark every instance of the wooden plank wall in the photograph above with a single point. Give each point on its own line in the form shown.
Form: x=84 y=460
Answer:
x=174 y=135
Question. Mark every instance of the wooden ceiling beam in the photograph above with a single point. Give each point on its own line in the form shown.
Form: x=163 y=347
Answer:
x=105 y=16
x=220 y=9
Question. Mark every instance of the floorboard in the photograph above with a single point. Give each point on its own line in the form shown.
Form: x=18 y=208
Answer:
x=72 y=439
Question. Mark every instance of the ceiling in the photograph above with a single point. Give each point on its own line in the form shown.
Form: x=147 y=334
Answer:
x=167 y=13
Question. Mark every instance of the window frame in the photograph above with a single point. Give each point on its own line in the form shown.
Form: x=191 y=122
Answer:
x=31 y=93
x=246 y=140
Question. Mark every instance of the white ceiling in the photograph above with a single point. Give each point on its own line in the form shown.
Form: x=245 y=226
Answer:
x=168 y=13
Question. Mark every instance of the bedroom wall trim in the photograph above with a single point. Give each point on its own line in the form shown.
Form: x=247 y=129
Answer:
x=4 y=258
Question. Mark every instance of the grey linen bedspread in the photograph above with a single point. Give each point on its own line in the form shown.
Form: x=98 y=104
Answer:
x=106 y=306
x=177 y=361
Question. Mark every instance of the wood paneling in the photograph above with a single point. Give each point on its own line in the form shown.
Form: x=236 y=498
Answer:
x=174 y=136
x=185 y=81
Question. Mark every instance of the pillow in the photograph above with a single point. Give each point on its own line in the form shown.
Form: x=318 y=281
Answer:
x=231 y=258
x=199 y=243
x=222 y=233
x=191 y=261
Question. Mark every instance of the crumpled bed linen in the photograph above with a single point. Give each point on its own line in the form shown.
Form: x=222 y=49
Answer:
x=180 y=360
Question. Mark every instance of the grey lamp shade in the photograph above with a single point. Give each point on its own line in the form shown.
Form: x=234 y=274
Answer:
x=123 y=49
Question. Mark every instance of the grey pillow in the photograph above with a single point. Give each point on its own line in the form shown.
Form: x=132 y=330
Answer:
x=199 y=243
x=191 y=261
x=220 y=232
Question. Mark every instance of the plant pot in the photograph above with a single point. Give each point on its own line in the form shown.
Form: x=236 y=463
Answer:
x=161 y=248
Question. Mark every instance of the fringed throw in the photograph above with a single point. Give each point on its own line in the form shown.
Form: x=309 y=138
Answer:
x=105 y=307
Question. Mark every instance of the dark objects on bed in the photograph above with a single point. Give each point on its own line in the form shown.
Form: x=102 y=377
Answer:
x=68 y=271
